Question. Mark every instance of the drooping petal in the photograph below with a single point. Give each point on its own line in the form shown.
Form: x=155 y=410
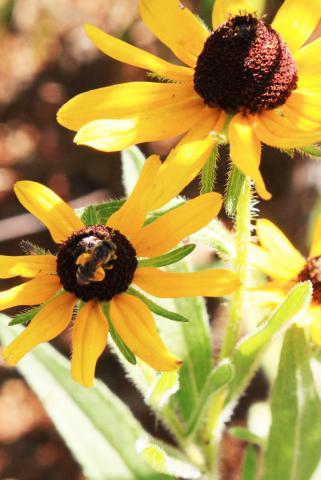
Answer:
x=278 y=132
x=306 y=104
x=157 y=124
x=89 y=338
x=245 y=151
x=300 y=120
x=131 y=216
x=51 y=210
x=314 y=318
x=280 y=248
x=136 y=326
x=271 y=265
x=33 y=292
x=45 y=326
x=223 y=8
x=176 y=27
x=124 y=52
x=186 y=160
x=209 y=283
x=120 y=102
x=270 y=294
x=308 y=59
x=167 y=231
x=315 y=249
x=26 y=265
x=296 y=20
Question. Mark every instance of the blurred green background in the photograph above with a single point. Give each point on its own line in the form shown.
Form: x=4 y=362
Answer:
x=46 y=59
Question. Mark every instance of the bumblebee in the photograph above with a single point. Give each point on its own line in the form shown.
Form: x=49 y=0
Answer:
x=98 y=257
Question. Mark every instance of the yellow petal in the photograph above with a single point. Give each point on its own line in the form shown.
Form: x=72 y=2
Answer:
x=315 y=250
x=223 y=8
x=278 y=132
x=89 y=338
x=308 y=59
x=45 y=326
x=136 y=326
x=51 y=210
x=275 y=242
x=124 y=52
x=157 y=124
x=314 y=316
x=26 y=265
x=176 y=27
x=131 y=216
x=167 y=231
x=33 y=292
x=270 y=294
x=270 y=264
x=120 y=102
x=299 y=120
x=187 y=158
x=296 y=20
x=245 y=151
x=306 y=104
x=209 y=283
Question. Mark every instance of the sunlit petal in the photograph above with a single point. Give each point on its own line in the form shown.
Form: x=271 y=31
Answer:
x=176 y=27
x=33 y=292
x=209 y=283
x=245 y=151
x=272 y=265
x=51 y=210
x=89 y=338
x=45 y=326
x=167 y=231
x=136 y=326
x=26 y=265
x=315 y=249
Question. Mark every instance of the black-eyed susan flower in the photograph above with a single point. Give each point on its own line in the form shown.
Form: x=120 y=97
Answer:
x=248 y=80
x=95 y=266
x=284 y=264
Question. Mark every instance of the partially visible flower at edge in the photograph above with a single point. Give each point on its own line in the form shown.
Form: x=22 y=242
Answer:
x=55 y=281
x=284 y=264
x=260 y=82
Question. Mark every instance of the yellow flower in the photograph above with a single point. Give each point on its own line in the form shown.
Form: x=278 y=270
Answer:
x=255 y=82
x=284 y=264
x=97 y=264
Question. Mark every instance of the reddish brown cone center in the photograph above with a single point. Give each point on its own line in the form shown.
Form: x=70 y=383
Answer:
x=312 y=272
x=245 y=66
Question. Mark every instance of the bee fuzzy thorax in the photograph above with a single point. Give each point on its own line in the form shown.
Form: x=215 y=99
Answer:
x=96 y=262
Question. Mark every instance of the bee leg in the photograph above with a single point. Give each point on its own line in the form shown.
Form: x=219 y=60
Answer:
x=99 y=275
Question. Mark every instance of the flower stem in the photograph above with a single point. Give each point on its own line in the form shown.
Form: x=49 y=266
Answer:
x=209 y=173
x=233 y=190
x=215 y=421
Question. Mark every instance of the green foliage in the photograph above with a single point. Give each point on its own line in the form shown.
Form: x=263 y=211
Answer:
x=165 y=385
x=294 y=444
x=99 y=429
x=100 y=212
x=156 y=308
x=25 y=317
x=313 y=150
x=208 y=174
x=122 y=347
x=234 y=187
x=171 y=257
x=246 y=435
x=250 y=464
x=132 y=161
x=249 y=350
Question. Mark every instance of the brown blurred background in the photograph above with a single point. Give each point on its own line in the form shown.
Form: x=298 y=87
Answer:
x=46 y=59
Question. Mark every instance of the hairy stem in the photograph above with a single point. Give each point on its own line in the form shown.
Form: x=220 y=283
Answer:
x=209 y=173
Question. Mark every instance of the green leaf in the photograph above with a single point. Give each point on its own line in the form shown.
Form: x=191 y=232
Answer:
x=294 y=444
x=245 y=435
x=163 y=463
x=166 y=384
x=156 y=308
x=250 y=464
x=132 y=162
x=208 y=174
x=251 y=348
x=314 y=150
x=216 y=236
x=233 y=190
x=102 y=211
x=218 y=378
x=97 y=427
x=25 y=317
x=171 y=257
x=121 y=345
x=89 y=216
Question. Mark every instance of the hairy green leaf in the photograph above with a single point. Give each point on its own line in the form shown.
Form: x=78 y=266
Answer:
x=25 y=317
x=171 y=257
x=89 y=216
x=246 y=435
x=165 y=385
x=250 y=464
x=294 y=443
x=233 y=190
x=121 y=345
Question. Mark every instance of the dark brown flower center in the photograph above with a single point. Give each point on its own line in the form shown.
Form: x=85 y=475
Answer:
x=312 y=272
x=245 y=66
x=96 y=262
